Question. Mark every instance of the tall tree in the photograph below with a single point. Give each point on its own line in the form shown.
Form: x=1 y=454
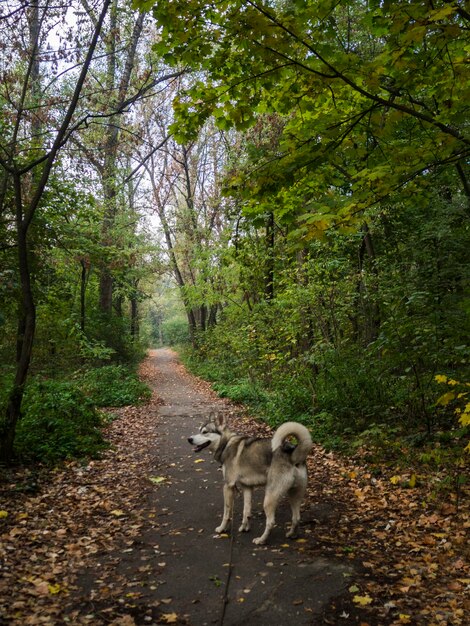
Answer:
x=27 y=159
x=186 y=198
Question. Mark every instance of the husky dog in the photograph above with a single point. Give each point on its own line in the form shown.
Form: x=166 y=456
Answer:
x=249 y=462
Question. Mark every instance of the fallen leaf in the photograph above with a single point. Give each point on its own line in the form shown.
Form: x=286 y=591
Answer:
x=169 y=618
x=157 y=479
x=362 y=600
x=124 y=620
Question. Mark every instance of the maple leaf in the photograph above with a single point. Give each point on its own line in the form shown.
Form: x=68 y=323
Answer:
x=169 y=618
x=362 y=600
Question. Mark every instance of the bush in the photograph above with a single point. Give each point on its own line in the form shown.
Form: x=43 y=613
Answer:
x=114 y=385
x=243 y=392
x=356 y=389
x=58 y=422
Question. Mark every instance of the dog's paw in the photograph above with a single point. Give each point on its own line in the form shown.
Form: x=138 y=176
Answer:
x=220 y=529
x=291 y=534
x=259 y=541
x=244 y=528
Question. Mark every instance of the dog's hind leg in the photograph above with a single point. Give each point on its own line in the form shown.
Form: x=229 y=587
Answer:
x=271 y=500
x=296 y=496
x=295 y=500
x=228 y=507
x=247 y=494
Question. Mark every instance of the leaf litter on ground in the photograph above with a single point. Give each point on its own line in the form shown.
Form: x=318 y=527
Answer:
x=412 y=549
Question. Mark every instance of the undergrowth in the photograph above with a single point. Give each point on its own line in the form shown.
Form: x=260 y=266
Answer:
x=113 y=386
x=385 y=444
x=58 y=422
x=61 y=418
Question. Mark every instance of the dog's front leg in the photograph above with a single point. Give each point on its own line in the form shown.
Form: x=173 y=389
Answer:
x=247 y=494
x=228 y=506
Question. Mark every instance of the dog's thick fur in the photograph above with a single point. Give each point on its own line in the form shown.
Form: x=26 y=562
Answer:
x=249 y=462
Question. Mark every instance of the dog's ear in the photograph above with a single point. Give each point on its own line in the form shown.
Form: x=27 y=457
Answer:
x=220 y=420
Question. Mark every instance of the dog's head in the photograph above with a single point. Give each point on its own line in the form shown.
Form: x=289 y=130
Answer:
x=209 y=434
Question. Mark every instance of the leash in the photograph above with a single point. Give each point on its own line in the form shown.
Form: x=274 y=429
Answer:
x=225 y=599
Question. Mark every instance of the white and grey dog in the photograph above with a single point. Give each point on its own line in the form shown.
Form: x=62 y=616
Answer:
x=249 y=462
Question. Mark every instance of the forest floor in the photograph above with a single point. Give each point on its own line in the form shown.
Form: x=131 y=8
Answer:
x=129 y=539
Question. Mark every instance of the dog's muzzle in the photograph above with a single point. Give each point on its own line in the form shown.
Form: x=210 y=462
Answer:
x=199 y=447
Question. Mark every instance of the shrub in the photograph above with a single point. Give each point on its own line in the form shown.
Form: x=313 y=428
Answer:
x=114 y=385
x=58 y=422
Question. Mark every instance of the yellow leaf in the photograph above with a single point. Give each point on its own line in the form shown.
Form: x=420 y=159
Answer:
x=404 y=618
x=465 y=419
x=169 y=618
x=54 y=589
x=395 y=480
x=412 y=481
x=157 y=479
x=362 y=600
x=446 y=398
x=199 y=461
x=301 y=541
x=3 y=514
x=117 y=513
x=440 y=378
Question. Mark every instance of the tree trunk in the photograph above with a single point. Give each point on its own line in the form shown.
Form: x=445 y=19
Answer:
x=24 y=345
x=83 y=281
x=269 y=271
x=109 y=172
x=371 y=309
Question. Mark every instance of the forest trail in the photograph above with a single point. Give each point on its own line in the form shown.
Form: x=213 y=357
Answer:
x=185 y=564
x=128 y=539
x=275 y=584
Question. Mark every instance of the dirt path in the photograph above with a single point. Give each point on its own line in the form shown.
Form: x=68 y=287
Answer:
x=128 y=540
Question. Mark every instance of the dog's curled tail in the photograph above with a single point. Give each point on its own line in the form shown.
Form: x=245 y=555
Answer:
x=304 y=440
